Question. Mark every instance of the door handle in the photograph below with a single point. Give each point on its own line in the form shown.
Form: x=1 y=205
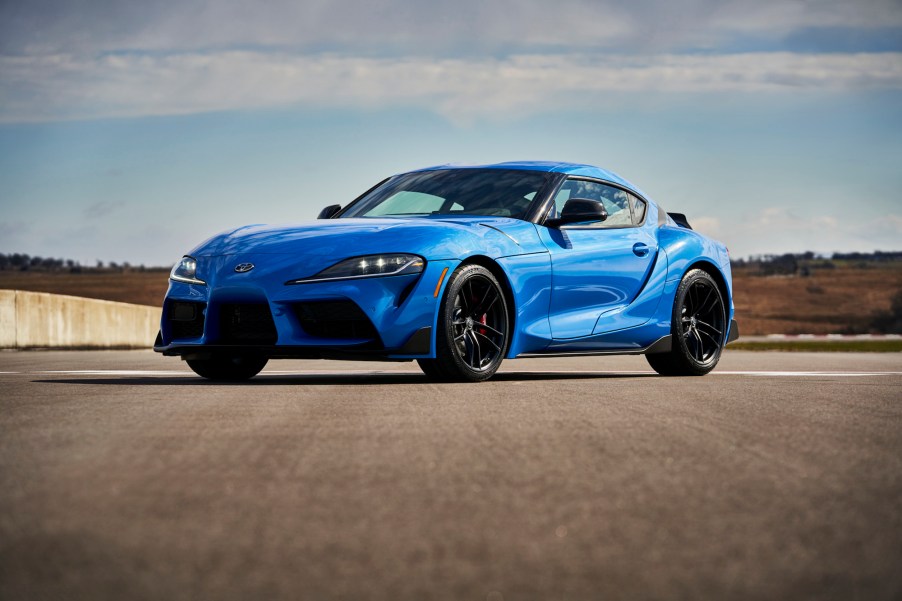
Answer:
x=640 y=249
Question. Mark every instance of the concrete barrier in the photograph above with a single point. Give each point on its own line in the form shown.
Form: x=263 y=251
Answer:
x=39 y=320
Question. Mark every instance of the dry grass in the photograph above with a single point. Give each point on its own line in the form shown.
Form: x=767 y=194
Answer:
x=830 y=301
x=141 y=288
x=835 y=301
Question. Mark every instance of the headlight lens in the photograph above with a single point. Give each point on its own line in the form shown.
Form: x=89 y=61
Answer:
x=369 y=266
x=186 y=271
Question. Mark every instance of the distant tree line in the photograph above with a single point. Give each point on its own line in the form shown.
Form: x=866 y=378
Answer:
x=890 y=322
x=24 y=262
x=878 y=256
x=803 y=264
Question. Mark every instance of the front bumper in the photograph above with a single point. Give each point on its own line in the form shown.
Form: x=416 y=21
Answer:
x=734 y=331
x=390 y=317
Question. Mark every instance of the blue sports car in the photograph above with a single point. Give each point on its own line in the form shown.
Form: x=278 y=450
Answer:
x=459 y=268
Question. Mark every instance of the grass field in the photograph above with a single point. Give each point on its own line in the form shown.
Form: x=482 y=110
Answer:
x=141 y=288
x=834 y=301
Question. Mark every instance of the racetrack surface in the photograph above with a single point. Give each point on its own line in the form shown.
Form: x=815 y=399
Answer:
x=124 y=476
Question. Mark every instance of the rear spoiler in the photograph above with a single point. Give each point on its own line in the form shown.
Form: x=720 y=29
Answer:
x=680 y=220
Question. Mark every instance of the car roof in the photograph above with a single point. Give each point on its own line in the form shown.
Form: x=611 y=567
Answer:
x=575 y=169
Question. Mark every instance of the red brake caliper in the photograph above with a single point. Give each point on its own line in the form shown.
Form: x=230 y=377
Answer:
x=482 y=319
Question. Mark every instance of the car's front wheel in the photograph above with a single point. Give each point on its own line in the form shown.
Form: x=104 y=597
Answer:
x=698 y=328
x=473 y=332
x=228 y=367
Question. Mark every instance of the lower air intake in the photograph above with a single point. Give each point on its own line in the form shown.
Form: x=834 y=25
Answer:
x=246 y=323
x=335 y=319
x=186 y=320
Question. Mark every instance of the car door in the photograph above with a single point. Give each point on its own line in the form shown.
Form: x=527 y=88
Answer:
x=597 y=268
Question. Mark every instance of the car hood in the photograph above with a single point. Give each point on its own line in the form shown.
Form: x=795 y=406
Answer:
x=432 y=238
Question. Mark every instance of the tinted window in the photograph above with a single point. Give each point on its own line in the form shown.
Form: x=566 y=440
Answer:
x=615 y=200
x=404 y=202
x=638 y=209
x=499 y=192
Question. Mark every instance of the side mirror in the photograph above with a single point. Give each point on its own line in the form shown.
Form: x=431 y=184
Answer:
x=578 y=210
x=328 y=212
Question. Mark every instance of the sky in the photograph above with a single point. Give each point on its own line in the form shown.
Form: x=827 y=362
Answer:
x=132 y=131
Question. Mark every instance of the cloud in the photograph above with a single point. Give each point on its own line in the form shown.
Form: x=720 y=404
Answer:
x=886 y=227
x=9 y=229
x=101 y=209
x=417 y=28
x=111 y=58
x=780 y=229
x=68 y=87
x=709 y=226
x=15 y=236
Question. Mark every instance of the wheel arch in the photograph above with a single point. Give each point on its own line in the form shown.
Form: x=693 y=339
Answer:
x=719 y=279
x=506 y=289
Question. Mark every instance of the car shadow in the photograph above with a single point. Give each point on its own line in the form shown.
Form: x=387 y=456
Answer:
x=332 y=379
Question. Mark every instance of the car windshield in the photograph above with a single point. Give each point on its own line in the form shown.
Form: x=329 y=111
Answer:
x=498 y=192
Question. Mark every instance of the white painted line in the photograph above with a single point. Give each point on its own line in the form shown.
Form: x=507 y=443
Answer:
x=807 y=374
x=341 y=372
x=337 y=372
x=821 y=337
x=555 y=372
x=113 y=372
x=131 y=372
x=775 y=374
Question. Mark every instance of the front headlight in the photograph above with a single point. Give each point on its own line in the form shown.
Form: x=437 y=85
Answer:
x=186 y=271
x=368 y=267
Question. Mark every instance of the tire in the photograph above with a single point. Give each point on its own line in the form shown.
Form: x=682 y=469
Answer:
x=228 y=368
x=473 y=331
x=698 y=327
x=431 y=369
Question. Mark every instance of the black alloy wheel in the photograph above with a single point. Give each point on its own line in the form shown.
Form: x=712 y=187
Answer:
x=698 y=328
x=473 y=331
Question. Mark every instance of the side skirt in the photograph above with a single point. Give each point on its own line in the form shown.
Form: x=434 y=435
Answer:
x=661 y=345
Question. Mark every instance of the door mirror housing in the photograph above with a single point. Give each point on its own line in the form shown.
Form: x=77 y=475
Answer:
x=329 y=212
x=578 y=210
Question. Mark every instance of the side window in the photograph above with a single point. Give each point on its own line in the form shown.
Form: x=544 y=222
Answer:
x=615 y=200
x=638 y=210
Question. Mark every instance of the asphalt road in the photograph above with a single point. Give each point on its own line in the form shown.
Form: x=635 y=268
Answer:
x=124 y=476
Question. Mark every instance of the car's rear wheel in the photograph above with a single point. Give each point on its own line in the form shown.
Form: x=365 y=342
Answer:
x=473 y=332
x=228 y=367
x=698 y=328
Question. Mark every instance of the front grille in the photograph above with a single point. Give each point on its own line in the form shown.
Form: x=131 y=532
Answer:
x=335 y=319
x=246 y=323
x=186 y=320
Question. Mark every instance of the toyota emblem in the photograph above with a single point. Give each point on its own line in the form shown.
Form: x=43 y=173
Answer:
x=243 y=267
